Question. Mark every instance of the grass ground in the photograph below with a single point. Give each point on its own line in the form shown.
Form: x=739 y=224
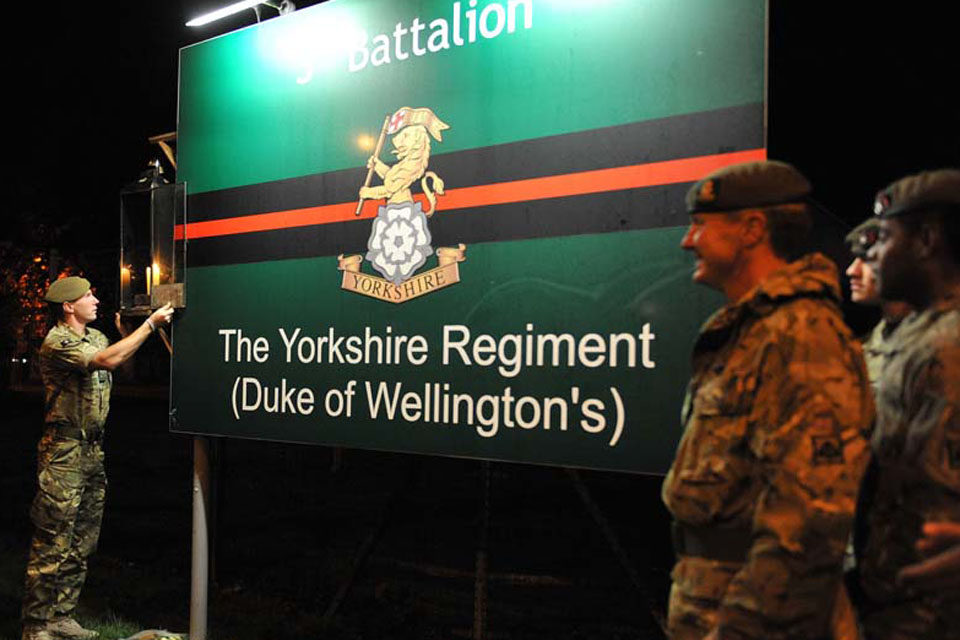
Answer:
x=289 y=528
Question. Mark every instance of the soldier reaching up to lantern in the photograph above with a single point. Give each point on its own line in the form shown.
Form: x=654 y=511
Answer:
x=75 y=364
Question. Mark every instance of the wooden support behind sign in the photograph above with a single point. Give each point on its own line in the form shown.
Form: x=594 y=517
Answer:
x=162 y=141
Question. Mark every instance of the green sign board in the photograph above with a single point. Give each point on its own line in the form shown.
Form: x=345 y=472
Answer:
x=453 y=227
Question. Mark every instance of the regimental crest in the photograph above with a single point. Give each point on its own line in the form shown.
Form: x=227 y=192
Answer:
x=708 y=192
x=881 y=204
x=400 y=240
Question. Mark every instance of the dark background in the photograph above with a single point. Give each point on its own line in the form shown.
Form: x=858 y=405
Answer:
x=859 y=95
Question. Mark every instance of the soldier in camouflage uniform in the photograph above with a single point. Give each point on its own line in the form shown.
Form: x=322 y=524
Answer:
x=75 y=364
x=763 y=487
x=876 y=352
x=863 y=290
x=916 y=442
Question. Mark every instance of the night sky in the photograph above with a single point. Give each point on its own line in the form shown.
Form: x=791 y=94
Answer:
x=856 y=100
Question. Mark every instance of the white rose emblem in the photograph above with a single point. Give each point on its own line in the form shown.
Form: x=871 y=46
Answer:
x=399 y=242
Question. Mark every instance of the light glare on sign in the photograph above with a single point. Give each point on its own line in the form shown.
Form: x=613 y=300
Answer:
x=366 y=142
x=315 y=43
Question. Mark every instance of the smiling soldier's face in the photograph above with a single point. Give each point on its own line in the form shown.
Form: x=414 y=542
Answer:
x=716 y=241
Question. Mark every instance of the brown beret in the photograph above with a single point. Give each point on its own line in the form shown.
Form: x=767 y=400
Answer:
x=919 y=191
x=67 y=289
x=748 y=185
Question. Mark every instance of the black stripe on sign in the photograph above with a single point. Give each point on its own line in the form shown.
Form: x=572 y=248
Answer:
x=685 y=136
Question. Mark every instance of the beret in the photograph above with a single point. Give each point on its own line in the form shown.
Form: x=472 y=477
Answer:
x=748 y=185
x=67 y=289
x=862 y=237
x=919 y=191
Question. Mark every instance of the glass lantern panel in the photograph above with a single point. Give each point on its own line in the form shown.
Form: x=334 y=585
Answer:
x=150 y=254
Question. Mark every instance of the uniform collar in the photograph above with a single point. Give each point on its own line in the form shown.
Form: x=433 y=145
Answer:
x=948 y=302
x=65 y=327
x=812 y=276
x=919 y=320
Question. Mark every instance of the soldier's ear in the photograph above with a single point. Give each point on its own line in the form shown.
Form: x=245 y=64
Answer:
x=938 y=238
x=929 y=238
x=754 y=226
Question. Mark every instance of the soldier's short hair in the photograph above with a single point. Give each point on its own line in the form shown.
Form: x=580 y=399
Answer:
x=55 y=312
x=945 y=216
x=950 y=224
x=789 y=227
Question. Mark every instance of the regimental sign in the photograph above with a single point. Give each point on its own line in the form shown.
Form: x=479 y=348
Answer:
x=453 y=227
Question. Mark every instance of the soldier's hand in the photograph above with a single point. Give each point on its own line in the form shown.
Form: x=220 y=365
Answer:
x=121 y=327
x=941 y=570
x=372 y=162
x=162 y=315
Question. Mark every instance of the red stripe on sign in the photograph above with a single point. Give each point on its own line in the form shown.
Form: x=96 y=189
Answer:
x=559 y=186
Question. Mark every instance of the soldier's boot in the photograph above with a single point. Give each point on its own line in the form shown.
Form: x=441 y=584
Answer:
x=70 y=629
x=36 y=632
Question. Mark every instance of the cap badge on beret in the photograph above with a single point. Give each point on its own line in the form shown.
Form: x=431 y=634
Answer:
x=863 y=241
x=881 y=203
x=863 y=236
x=708 y=191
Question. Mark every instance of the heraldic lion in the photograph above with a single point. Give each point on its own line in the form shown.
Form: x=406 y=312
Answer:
x=412 y=148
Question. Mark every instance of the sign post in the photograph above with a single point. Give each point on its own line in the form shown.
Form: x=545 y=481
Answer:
x=200 y=547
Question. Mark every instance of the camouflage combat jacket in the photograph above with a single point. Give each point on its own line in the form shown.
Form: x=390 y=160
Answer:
x=916 y=448
x=776 y=418
x=75 y=396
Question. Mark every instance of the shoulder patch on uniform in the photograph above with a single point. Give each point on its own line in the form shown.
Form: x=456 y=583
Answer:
x=827 y=450
x=953 y=453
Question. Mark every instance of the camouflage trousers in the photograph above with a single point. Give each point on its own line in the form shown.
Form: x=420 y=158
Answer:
x=66 y=514
x=699 y=587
